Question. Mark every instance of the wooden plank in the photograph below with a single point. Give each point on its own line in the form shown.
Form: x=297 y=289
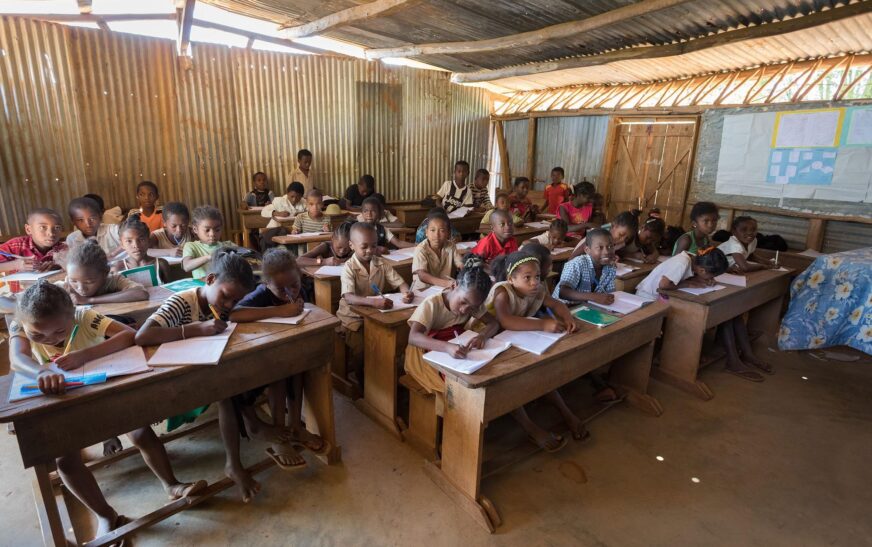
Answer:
x=531 y=149
x=795 y=214
x=46 y=507
x=504 y=155
x=186 y=18
x=264 y=38
x=814 y=239
x=355 y=14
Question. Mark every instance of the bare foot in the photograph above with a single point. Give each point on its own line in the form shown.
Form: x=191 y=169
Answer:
x=576 y=427
x=112 y=446
x=286 y=456
x=308 y=439
x=248 y=487
x=262 y=431
x=185 y=489
x=741 y=370
x=751 y=359
x=104 y=526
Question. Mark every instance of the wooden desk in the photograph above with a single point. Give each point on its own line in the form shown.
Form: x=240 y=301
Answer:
x=629 y=281
x=468 y=224
x=258 y=354
x=411 y=215
x=690 y=316
x=139 y=311
x=385 y=338
x=789 y=259
x=516 y=378
x=310 y=240
x=522 y=233
x=327 y=287
x=251 y=219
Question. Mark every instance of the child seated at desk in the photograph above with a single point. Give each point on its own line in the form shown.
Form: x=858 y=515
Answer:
x=330 y=253
x=515 y=299
x=456 y=193
x=49 y=328
x=260 y=195
x=442 y=317
x=356 y=193
x=312 y=220
x=622 y=229
x=739 y=249
x=208 y=227
x=388 y=220
x=578 y=211
x=703 y=222
x=147 y=195
x=280 y=295
x=436 y=258
x=554 y=238
x=500 y=241
x=519 y=202
x=481 y=191
x=89 y=280
x=590 y=277
x=113 y=215
x=557 y=191
x=421 y=232
x=86 y=217
x=503 y=202
x=176 y=231
x=41 y=249
x=644 y=246
x=364 y=279
x=371 y=211
x=134 y=242
x=284 y=207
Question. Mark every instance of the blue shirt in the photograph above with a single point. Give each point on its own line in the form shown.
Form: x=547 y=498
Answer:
x=580 y=275
x=262 y=297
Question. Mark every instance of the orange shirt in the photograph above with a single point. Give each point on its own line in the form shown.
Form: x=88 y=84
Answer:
x=555 y=194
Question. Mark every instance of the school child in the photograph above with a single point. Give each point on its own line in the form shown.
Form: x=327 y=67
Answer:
x=683 y=270
x=40 y=249
x=622 y=229
x=739 y=249
x=147 y=195
x=502 y=204
x=644 y=246
x=42 y=333
x=577 y=212
x=260 y=194
x=108 y=216
x=371 y=211
x=208 y=225
x=442 y=317
x=456 y=193
x=436 y=258
x=519 y=202
x=514 y=300
x=557 y=191
x=176 y=231
x=598 y=215
x=591 y=276
x=312 y=219
x=388 y=220
x=356 y=193
x=86 y=217
x=330 y=253
x=554 y=238
x=303 y=173
x=365 y=275
x=90 y=281
x=134 y=241
x=703 y=222
x=201 y=311
x=481 y=191
x=421 y=232
x=278 y=296
x=500 y=241
x=284 y=207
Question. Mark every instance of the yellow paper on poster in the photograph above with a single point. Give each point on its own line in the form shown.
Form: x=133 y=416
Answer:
x=813 y=128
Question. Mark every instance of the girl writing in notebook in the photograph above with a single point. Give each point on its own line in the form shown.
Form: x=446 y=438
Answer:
x=49 y=329
x=89 y=280
x=200 y=312
x=644 y=247
x=134 y=240
x=331 y=253
x=515 y=299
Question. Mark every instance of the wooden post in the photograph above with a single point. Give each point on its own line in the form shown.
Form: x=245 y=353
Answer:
x=608 y=161
x=531 y=149
x=814 y=239
x=504 y=155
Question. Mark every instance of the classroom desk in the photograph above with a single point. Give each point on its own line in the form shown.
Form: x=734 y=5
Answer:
x=257 y=354
x=690 y=316
x=385 y=338
x=515 y=378
x=251 y=219
x=468 y=224
x=327 y=287
x=411 y=215
x=522 y=233
x=310 y=240
x=629 y=281
x=789 y=259
x=139 y=311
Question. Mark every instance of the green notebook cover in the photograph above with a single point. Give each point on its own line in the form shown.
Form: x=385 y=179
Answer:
x=184 y=284
x=594 y=317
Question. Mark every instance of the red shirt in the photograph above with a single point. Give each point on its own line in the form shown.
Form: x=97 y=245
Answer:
x=555 y=194
x=519 y=206
x=24 y=246
x=489 y=247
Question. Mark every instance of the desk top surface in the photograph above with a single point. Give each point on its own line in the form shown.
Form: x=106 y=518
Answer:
x=754 y=279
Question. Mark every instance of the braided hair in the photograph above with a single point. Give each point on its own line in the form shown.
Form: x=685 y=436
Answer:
x=229 y=267
x=503 y=265
x=474 y=279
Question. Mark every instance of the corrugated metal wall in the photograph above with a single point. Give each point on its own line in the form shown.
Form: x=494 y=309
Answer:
x=101 y=111
x=844 y=236
x=516 y=144
x=576 y=143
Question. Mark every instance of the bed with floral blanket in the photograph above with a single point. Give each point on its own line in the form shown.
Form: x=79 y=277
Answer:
x=831 y=304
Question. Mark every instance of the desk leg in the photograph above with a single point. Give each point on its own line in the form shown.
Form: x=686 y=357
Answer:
x=462 y=447
x=323 y=296
x=246 y=240
x=317 y=387
x=682 y=348
x=380 y=373
x=47 y=508
x=765 y=318
x=630 y=373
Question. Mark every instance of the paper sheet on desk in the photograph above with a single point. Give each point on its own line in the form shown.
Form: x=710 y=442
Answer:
x=397 y=299
x=560 y=250
x=537 y=224
x=201 y=350
x=475 y=359
x=28 y=276
x=624 y=303
x=702 y=290
x=398 y=255
x=732 y=279
x=330 y=270
x=624 y=269
x=466 y=244
x=295 y=320
x=172 y=260
x=537 y=342
x=460 y=212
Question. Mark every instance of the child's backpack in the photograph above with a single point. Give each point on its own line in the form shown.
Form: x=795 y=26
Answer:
x=772 y=242
x=669 y=238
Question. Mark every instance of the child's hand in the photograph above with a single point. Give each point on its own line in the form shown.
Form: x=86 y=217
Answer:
x=382 y=303
x=603 y=298
x=44 y=266
x=283 y=214
x=51 y=383
x=457 y=352
x=177 y=251
x=477 y=342
x=70 y=361
x=208 y=328
x=78 y=299
x=649 y=259
x=291 y=309
x=408 y=297
x=379 y=251
x=568 y=322
x=552 y=325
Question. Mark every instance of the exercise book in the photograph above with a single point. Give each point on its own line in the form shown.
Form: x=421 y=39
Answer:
x=475 y=359
x=200 y=350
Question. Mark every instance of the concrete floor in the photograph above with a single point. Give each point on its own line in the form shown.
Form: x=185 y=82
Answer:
x=786 y=462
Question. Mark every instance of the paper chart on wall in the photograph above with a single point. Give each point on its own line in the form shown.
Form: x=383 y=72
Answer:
x=808 y=128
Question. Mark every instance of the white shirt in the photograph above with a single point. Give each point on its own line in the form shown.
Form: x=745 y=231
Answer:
x=107 y=236
x=387 y=217
x=282 y=204
x=734 y=246
x=451 y=195
x=676 y=269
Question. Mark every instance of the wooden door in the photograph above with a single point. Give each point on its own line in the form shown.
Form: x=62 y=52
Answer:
x=650 y=165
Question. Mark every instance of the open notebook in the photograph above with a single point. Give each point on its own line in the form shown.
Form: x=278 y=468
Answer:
x=460 y=212
x=624 y=303
x=732 y=279
x=295 y=320
x=702 y=290
x=475 y=359
x=398 y=255
x=537 y=342
x=201 y=350
x=28 y=276
x=397 y=298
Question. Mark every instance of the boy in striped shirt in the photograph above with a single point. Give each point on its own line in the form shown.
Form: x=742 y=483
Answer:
x=313 y=219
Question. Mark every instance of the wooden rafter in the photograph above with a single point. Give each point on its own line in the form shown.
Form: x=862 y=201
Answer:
x=531 y=38
x=84 y=6
x=261 y=37
x=801 y=95
x=843 y=92
x=91 y=18
x=345 y=17
x=668 y=50
x=186 y=17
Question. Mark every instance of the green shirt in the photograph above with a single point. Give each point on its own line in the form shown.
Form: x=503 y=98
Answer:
x=196 y=249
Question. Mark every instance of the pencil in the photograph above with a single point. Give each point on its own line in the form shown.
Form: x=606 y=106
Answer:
x=375 y=289
x=215 y=313
x=72 y=336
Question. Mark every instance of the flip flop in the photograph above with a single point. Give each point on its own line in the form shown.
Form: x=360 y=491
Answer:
x=308 y=445
x=275 y=453
x=606 y=395
x=191 y=489
x=582 y=436
x=561 y=442
x=765 y=367
x=749 y=375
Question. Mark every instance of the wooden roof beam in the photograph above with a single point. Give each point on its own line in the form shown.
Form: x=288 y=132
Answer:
x=668 y=50
x=91 y=18
x=531 y=38
x=185 y=18
x=262 y=37
x=84 y=6
x=345 y=17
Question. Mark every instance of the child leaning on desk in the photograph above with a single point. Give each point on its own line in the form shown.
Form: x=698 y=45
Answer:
x=48 y=328
x=590 y=277
x=40 y=249
x=89 y=280
x=364 y=279
x=330 y=253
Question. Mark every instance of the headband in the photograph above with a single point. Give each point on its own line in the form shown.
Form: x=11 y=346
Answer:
x=522 y=261
x=703 y=252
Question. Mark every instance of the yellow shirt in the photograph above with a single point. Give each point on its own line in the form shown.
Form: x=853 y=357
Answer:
x=438 y=264
x=435 y=315
x=92 y=331
x=356 y=280
x=308 y=181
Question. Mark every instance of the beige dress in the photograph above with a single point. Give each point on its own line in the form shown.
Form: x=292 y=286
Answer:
x=522 y=306
x=442 y=264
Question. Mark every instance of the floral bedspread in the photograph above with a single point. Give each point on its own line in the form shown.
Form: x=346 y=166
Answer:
x=831 y=304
